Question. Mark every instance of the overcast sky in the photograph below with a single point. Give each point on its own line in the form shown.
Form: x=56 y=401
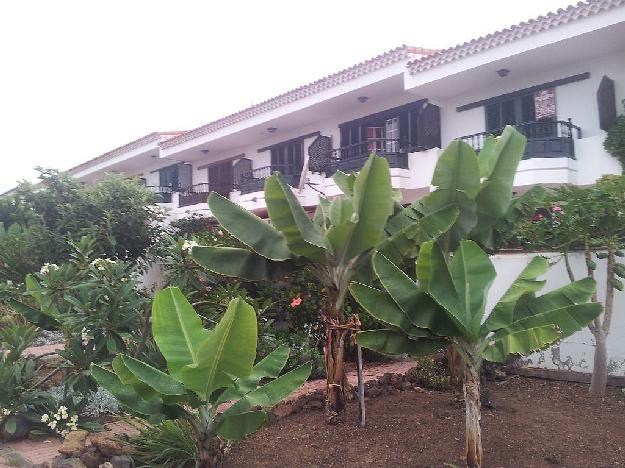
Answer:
x=79 y=78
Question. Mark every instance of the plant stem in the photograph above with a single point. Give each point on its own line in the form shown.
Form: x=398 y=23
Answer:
x=361 y=389
x=473 y=416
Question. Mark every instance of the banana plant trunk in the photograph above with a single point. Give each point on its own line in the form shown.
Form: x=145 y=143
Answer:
x=210 y=453
x=473 y=416
x=334 y=353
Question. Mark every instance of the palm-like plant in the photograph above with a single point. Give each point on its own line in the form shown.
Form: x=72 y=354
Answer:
x=447 y=306
x=336 y=245
x=206 y=368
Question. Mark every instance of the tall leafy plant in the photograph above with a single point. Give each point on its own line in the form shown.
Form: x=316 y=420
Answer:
x=446 y=306
x=335 y=245
x=206 y=368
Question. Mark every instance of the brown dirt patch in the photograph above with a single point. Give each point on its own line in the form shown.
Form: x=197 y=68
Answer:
x=536 y=423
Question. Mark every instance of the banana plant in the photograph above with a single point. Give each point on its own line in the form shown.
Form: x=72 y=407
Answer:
x=207 y=370
x=446 y=306
x=336 y=244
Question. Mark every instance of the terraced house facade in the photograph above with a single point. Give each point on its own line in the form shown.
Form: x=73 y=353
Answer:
x=560 y=78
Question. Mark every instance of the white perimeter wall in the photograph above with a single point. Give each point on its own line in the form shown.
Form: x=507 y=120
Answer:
x=576 y=352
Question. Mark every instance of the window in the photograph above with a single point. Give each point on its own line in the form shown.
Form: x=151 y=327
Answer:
x=521 y=109
x=288 y=157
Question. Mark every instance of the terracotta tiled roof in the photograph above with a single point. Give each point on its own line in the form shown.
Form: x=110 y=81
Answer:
x=144 y=140
x=513 y=33
x=381 y=61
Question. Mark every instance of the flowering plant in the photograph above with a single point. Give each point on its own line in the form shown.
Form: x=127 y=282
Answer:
x=60 y=421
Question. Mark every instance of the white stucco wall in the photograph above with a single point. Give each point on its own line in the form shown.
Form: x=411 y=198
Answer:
x=576 y=352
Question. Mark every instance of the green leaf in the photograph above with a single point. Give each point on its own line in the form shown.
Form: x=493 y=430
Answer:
x=125 y=394
x=619 y=270
x=602 y=255
x=159 y=381
x=273 y=392
x=495 y=195
x=228 y=351
x=34 y=316
x=10 y=425
x=617 y=284
x=288 y=217
x=393 y=342
x=240 y=263
x=591 y=265
x=177 y=329
x=373 y=205
x=345 y=182
x=521 y=342
x=420 y=309
x=239 y=426
x=341 y=211
x=503 y=313
x=257 y=234
x=268 y=367
x=382 y=307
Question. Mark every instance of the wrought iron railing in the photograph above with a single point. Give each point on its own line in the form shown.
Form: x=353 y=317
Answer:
x=198 y=193
x=352 y=157
x=254 y=180
x=546 y=139
x=162 y=193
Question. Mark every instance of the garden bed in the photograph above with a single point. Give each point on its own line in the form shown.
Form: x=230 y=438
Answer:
x=536 y=423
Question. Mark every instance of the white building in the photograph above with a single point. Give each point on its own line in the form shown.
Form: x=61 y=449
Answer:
x=560 y=78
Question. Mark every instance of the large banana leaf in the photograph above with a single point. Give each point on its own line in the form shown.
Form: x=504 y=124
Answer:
x=382 y=307
x=288 y=217
x=459 y=287
x=395 y=342
x=345 y=182
x=268 y=367
x=160 y=381
x=240 y=263
x=495 y=195
x=177 y=329
x=526 y=283
x=228 y=352
x=128 y=378
x=521 y=342
x=257 y=234
x=239 y=426
x=126 y=394
x=271 y=393
x=457 y=181
x=420 y=309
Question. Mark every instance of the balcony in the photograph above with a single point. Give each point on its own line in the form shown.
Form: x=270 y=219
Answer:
x=351 y=158
x=544 y=139
x=162 y=194
x=198 y=193
x=254 y=180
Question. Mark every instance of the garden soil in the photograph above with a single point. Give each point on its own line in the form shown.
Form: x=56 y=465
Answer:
x=534 y=423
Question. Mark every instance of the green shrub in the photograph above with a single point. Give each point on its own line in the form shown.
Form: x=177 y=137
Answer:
x=430 y=373
x=615 y=140
x=169 y=444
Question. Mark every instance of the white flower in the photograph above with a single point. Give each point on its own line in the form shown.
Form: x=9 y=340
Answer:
x=45 y=269
x=45 y=418
x=62 y=408
x=74 y=419
x=52 y=425
x=187 y=245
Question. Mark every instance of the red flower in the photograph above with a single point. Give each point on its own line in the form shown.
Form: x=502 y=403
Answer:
x=538 y=217
x=296 y=301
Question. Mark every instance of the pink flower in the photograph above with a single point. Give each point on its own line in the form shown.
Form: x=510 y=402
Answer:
x=296 y=301
x=557 y=208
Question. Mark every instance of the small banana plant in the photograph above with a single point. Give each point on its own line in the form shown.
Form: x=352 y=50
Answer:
x=207 y=371
x=446 y=306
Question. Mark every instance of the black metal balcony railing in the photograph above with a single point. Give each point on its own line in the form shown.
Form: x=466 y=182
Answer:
x=254 y=180
x=198 y=193
x=544 y=139
x=352 y=157
x=162 y=193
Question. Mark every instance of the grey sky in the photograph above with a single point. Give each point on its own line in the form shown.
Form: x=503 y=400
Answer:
x=78 y=78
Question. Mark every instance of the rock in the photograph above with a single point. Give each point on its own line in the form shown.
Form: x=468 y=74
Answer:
x=374 y=392
x=14 y=458
x=396 y=380
x=419 y=389
x=91 y=457
x=44 y=464
x=72 y=463
x=385 y=379
x=22 y=428
x=107 y=444
x=121 y=461
x=405 y=385
x=58 y=461
x=74 y=443
x=316 y=404
x=284 y=410
x=106 y=465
